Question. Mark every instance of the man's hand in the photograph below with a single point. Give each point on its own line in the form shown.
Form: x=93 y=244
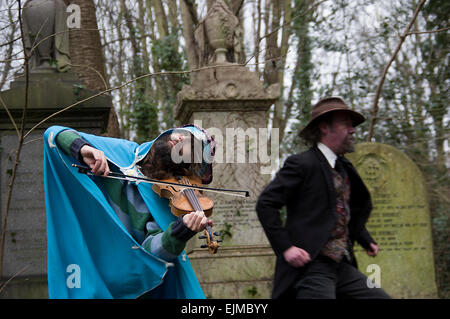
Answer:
x=95 y=159
x=196 y=221
x=296 y=257
x=373 y=250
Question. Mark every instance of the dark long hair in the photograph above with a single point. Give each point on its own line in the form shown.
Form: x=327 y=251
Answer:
x=313 y=135
x=158 y=163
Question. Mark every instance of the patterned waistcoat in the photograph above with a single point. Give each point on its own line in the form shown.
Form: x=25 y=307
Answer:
x=338 y=244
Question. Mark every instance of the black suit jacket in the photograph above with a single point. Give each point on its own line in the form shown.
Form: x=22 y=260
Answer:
x=305 y=186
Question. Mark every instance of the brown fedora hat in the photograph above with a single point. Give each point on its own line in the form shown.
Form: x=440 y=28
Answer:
x=331 y=104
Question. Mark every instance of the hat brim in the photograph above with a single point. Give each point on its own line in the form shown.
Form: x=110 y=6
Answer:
x=357 y=119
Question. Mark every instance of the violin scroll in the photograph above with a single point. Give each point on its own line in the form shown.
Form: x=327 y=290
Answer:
x=211 y=243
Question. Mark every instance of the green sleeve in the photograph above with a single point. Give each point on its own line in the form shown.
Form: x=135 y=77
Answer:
x=171 y=243
x=65 y=139
x=163 y=243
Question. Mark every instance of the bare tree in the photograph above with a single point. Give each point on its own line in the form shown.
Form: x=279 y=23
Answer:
x=87 y=57
x=10 y=40
x=383 y=75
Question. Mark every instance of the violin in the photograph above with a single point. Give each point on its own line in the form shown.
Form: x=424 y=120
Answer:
x=184 y=197
x=185 y=200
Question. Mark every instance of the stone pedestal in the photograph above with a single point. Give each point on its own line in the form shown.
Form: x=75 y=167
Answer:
x=50 y=92
x=26 y=247
x=231 y=103
x=399 y=223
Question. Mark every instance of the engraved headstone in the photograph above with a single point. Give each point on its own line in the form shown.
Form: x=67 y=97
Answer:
x=231 y=103
x=26 y=245
x=399 y=223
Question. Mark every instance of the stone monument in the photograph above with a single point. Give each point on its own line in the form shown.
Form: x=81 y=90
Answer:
x=399 y=223
x=231 y=102
x=46 y=35
x=49 y=89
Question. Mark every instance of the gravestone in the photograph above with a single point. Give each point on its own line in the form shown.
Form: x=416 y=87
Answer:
x=399 y=223
x=25 y=245
x=231 y=103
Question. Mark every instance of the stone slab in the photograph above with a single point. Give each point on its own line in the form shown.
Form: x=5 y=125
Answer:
x=399 y=223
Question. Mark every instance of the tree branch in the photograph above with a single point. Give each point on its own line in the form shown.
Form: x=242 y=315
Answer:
x=430 y=31
x=131 y=81
x=10 y=116
x=386 y=68
x=19 y=146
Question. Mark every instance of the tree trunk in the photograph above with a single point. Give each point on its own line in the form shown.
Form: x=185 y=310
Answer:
x=7 y=67
x=161 y=18
x=190 y=21
x=87 y=57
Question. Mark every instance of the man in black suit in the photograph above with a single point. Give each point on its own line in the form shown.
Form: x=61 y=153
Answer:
x=327 y=207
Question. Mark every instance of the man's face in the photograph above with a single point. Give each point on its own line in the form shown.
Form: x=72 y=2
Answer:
x=338 y=136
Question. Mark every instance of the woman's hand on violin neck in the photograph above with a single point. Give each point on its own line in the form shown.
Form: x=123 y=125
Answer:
x=196 y=221
x=95 y=159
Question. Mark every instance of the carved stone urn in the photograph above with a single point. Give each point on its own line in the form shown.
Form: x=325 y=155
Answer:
x=220 y=24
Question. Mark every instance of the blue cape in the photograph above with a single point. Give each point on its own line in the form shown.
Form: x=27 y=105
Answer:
x=90 y=252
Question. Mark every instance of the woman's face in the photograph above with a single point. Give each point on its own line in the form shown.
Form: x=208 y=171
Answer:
x=181 y=140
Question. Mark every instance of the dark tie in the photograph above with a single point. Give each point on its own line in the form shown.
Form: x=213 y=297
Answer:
x=339 y=167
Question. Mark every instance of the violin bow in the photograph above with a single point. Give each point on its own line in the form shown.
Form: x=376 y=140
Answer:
x=87 y=170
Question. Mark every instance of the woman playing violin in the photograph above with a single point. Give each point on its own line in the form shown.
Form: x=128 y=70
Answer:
x=157 y=164
x=173 y=154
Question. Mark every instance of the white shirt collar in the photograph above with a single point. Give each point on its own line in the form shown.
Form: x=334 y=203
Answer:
x=328 y=153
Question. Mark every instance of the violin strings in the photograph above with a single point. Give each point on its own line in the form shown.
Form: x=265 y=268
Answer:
x=192 y=197
x=113 y=175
